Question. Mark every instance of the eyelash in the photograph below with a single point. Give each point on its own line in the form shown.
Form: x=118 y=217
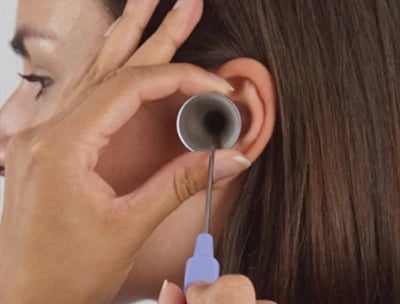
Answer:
x=44 y=82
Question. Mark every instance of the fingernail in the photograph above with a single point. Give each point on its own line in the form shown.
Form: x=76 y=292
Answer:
x=230 y=167
x=178 y=4
x=112 y=27
x=162 y=292
x=226 y=86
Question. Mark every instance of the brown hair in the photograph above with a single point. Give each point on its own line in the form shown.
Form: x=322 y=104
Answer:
x=318 y=218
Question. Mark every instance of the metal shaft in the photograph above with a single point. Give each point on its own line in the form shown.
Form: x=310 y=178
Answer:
x=209 y=191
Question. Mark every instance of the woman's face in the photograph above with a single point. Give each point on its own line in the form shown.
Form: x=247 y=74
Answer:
x=57 y=38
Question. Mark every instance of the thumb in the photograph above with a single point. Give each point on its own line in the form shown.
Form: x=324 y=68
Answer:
x=171 y=294
x=151 y=203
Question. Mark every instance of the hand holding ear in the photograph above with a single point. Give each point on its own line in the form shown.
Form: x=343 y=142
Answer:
x=230 y=289
x=65 y=235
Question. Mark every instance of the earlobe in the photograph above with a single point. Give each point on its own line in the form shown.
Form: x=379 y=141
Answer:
x=255 y=97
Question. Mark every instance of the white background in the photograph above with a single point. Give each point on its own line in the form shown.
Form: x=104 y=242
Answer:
x=10 y=64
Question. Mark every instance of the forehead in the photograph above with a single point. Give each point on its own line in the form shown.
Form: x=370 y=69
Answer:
x=78 y=25
x=63 y=17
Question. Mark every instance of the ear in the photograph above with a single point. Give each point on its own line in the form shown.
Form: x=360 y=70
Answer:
x=256 y=99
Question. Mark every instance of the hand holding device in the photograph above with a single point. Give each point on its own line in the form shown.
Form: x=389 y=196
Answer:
x=65 y=235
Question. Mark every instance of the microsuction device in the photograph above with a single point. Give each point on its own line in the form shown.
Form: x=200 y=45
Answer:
x=207 y=122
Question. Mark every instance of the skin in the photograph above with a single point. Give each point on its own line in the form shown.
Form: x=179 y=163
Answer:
x=130 y=159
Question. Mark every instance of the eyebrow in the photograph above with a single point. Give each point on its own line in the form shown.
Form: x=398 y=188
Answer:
x=23 y=33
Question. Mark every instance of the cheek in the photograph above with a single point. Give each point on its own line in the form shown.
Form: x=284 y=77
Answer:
x=146 y=143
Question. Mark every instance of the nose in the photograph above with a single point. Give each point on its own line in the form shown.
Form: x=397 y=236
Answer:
x=5 y=135
x=16 y=115
x=3 y=140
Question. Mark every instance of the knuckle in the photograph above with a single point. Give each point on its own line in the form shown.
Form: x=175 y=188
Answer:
x=185 y=183
x=38 y=144
x=126 y=75
x=40 y=148
x=134 y=74
x=167 y=39
x=124 y=79
x=137 y=25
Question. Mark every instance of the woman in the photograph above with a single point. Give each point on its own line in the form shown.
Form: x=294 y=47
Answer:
x=315 y=218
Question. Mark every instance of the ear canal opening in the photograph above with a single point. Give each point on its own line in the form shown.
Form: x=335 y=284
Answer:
x=215 y=123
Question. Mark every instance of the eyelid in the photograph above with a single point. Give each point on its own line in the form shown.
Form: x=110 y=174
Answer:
x=44 y=82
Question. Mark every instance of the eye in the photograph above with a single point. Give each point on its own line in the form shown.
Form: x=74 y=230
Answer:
x=44 y=82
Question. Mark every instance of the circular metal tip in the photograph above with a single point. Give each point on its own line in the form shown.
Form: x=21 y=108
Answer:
x=207 y=121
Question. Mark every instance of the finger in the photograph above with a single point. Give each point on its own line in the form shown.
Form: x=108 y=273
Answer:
x=265 y=302
x=151 y=203
x=198 y=293
x=125 y=34
x=172 y=33
x=232 y=289
x=171 y=294
x=117 y=100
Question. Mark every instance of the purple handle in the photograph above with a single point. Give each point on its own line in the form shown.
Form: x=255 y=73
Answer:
x=202 y=267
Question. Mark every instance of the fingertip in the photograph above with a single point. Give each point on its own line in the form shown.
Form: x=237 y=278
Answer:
x=171 y=293
x=198 y=8
x=189 y=13
x=228 y=162
x=224 y=86
x=196 y=290
x=225 y=153
x=131 y=5
x=196 y=5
